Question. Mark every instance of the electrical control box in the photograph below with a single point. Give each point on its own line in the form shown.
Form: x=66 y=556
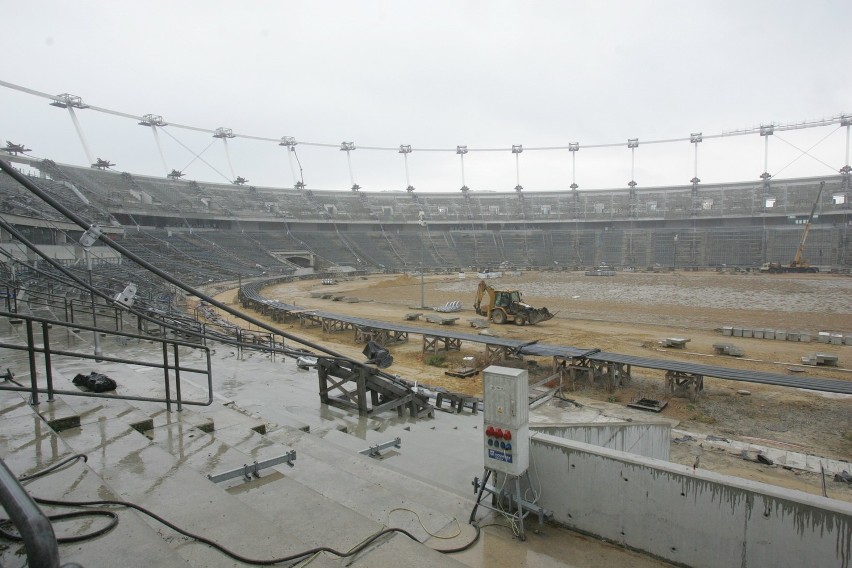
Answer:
x=506 y=419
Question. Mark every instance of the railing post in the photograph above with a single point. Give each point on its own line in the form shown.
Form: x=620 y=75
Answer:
x=48 y=369
x=72 y=311
x=166 y=374
x=34 y=527
x=65 y=301
x=31 y=353
x=177 y=377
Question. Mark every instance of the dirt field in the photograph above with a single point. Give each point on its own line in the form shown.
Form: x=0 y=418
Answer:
x=628 y=314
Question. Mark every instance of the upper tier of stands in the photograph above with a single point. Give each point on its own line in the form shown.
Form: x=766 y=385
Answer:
x=149 y=196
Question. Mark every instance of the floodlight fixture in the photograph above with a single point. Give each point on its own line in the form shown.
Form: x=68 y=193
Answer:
x=846 y=120
x=574 y=187
x=767 y=129
x=153 y=120
x=695 y=180
x=573 y=146
x=223 y=133
x=462 y=150
x=696 y=137
x=765 y=176
x=517 y=148
x=126 y=297
x=289 y=141
x=409 y=189
x=632 y=184
x=66 y=100
x=405 y=148
x=356 y=187
x=519 y=188
x=465 y=189
x=91 y=236
x=632 y=142
x=347 y=146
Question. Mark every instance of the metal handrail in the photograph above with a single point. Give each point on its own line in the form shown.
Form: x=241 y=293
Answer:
x=168 y=367
x=32 y=524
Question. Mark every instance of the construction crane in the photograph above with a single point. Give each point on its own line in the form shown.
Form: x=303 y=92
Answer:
x=798 y=264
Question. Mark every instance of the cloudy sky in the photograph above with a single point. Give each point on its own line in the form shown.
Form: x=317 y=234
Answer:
x=435 y=74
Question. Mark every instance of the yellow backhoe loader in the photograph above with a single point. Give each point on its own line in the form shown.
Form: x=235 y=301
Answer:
x=503 y=306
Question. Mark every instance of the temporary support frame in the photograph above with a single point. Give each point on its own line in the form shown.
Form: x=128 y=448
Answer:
x=382 y=336
x=689 y=384
x=332 y=325
x=373 y=393
x=437 y=343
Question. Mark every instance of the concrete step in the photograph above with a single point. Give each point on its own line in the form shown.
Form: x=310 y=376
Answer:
x=307 y=514
x=437 y=507
x=28 y=445
x=139 y=470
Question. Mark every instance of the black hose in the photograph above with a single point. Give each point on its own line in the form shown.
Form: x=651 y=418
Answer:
x=86 y=512
x=54 y=467
x=113 y=517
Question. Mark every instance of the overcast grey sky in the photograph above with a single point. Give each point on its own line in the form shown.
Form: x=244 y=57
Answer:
x=435 y=74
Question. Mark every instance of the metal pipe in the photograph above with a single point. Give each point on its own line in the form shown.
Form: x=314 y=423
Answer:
x=31 y=354
x=48 y=368
x=177 y=377
x=32 y=524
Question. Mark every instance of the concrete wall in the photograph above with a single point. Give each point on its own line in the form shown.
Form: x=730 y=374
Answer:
x=651 y=440
x=694 y=518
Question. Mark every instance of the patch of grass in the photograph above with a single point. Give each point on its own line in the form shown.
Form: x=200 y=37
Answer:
x=436 y=360
x=613 y=398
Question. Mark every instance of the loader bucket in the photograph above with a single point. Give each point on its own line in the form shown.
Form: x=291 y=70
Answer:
x=539 y=315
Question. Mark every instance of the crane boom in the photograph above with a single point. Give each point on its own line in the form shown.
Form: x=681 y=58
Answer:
x=797 y=260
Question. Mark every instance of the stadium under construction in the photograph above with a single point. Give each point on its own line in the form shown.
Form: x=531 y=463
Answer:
x=215 y=428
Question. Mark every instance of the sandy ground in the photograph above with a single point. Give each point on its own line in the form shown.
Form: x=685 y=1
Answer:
x=628 y=314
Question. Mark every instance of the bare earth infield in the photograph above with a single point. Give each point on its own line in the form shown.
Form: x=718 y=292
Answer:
x=628 y=314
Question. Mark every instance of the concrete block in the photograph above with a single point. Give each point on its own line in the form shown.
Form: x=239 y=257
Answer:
x=768 y=334
x=737 y=332
x=758 y=333
x=823 y=337
x=727 y=330
x=748 y=332
x=780 y=335
x=848 y=340
x=805 y=337
x=836 y=338
x=793 y=336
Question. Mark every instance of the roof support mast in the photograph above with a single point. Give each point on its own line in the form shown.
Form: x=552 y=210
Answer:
x=348 y=147
x=461 y=151
x=405 y=150
x=155 y=120
x=71 y=102
x=516 y=150
x=289 y=142
x=846 y=170
x=224 y=134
